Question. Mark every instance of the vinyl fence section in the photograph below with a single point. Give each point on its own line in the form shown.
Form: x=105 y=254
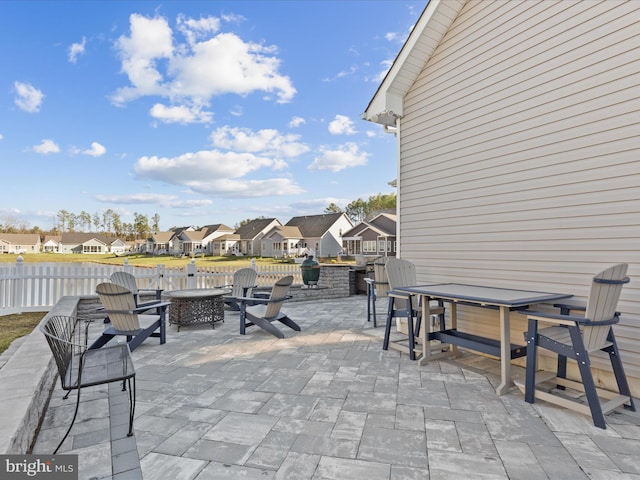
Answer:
x=33 y=287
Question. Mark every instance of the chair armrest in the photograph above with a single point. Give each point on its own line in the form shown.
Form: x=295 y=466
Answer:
x=566 y=308
x=567 y=319
x=144 y=308
x=397 y=294
x=260 y=300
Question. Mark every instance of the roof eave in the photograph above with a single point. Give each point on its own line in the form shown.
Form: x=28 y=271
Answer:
x=387 y=105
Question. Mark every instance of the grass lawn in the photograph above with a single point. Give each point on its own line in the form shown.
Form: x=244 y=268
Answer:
x=138 y=260
x=17 y=325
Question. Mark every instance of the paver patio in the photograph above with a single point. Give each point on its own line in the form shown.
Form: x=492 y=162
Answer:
x=328 y=403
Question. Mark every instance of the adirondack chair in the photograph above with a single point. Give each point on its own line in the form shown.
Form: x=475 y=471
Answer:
x=263 y=311
x=378 y=286
x=126 y=317
x=79 y=366
x=576 y=336
x=402 y=273
x=244 y=281
x=129 y=282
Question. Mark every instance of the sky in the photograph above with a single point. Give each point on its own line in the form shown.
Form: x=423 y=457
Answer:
x=202 y=112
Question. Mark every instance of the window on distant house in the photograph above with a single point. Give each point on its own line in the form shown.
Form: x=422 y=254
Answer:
x=369 y=246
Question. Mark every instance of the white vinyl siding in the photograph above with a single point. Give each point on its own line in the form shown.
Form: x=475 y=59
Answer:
x=520 y=154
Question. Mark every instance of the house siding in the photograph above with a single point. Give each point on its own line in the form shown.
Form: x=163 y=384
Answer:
x=519 y=154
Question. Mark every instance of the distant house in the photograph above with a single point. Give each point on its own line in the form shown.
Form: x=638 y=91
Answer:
x=51 y=243
x=320 y=235
x=213 y=232
x=250 y=235
x=160 y=243
x=189 y=240
x=91 y=243
x=226 y=245
x=20 y=243
x=374 y=237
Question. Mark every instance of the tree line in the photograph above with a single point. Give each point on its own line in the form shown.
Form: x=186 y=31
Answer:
x=108 y=223
x=360 y=209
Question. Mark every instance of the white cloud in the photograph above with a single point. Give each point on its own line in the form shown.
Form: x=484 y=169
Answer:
x=151 y=39
x=28 y=98
x=267 y=142
x=46 y=146
x=344 y=73
x=390 y=36
x=96 y=150
x=229 y=169
x=139 y=198
x=216 y=172
x=180 y=114
x=346 y=156
x=162 y=200
x=341 y=125
x=296 y=122
x=194 y=30
x=77 y=49
x=1 y=136
x=209 y=63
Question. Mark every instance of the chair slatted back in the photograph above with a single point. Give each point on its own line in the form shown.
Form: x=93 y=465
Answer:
x=120 y=304
x=127 y=280
x=243 y=280
x=380 y=276
x=401 y=273
x=602 y=304
x=279 y=293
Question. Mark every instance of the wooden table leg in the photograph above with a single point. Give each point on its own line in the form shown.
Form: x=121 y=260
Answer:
x=505 y=352
x=424 y=334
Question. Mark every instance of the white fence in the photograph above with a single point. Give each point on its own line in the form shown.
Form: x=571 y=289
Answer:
x=26 y=287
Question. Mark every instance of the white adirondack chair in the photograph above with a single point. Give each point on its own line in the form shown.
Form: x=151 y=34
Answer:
x=263 y=311
x=575 y=337
x=125 y=317
x=128 y=281
x=244 y=281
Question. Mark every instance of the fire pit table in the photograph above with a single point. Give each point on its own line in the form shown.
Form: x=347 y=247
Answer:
x=196 y=306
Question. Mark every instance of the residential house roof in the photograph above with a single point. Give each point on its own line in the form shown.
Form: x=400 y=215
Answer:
x=254 y=227
x=194 y=235
x=178 y=230
x=162 y=237
x=383 y=224
x=21 y=238
x=428 y=32
x=218 y=227
x=76 y=238
x=227 y=237
x=314 y=225
x=52 y=238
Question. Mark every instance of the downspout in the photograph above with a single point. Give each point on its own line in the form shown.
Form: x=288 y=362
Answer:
x=396 y=131
x=398 y=223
